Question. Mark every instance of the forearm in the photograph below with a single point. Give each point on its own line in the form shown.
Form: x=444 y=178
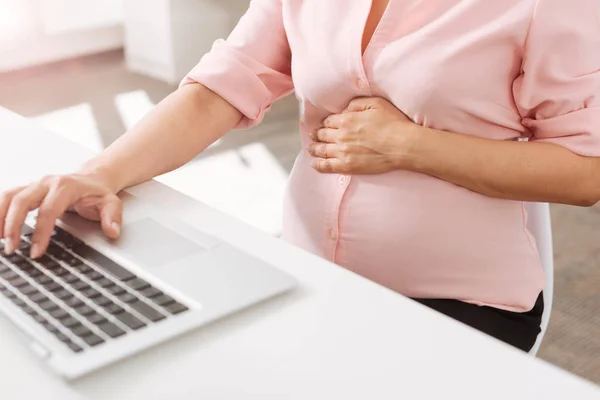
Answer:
x=181 y=126
x=526 y=171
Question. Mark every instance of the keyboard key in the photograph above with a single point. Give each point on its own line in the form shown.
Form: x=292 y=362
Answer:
x=111 y=329
x=37 y=297
x=81 y=331
x=50 y=327
x=18 y=302
x=113 y=309
x=176 y=308
x=65 y=238
x=24 y=248
x=22 y=262
x=59 y=313
x=90 y=293
x=18 y=282
x=60 y=271
x=94 y=275
x=137 y=284
x=8 y=293
x=102 y=301
x=83 y=268
x=115 y=290
x=27 y=289
x=8 y=275
x=127 y=298
x=147 y=311
x=47 y=262
x=33 y=272
x=105 y=282
x=63 y=294
x=15 y=258
x=70 y=278
x=74 y=347
x=131 y=321
x=96 y=318
x=39 y=319
x=80 y=285
x=105 y=263
x=53 y=287
x=42 y=279
x=3 y=267
x=53 y=248
x=84 y=310
x=151 y=292
x=72 y=261
x=70 y=322
x=163 y=300
x=48 y=305
x=73 y=302
x=93 y=340
x=62 y=337
x=29 y=310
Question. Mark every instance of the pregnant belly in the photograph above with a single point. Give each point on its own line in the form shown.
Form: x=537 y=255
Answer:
x=415 y=234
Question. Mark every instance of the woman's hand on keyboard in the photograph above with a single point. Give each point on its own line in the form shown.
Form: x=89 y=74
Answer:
x=86 y=194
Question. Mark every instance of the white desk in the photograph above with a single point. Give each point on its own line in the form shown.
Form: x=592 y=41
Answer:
x=338 y=336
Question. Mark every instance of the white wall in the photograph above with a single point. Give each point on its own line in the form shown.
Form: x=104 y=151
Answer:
x=39 y=31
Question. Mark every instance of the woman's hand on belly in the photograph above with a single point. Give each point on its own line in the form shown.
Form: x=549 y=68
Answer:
x=371 y=136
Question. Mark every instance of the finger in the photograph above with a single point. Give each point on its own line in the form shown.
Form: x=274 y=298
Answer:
x=323 y=150
x=335 y=121
x=53 y=207
x=5 y=199
x=326 y=135
x=328 y=165
x=111 y=216
x=21 y=204
x=364 y=103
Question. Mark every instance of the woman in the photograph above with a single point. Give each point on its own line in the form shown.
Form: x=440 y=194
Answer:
x=415 y=170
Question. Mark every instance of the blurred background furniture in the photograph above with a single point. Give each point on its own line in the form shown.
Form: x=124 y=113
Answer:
x=164 y=39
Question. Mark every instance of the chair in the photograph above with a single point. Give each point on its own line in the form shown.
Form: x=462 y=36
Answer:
x=539 y=225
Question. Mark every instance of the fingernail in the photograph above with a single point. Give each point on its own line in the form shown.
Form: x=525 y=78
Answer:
x=116 y=227
x=35 y=251
x=9 y=247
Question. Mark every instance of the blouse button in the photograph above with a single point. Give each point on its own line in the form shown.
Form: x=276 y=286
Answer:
x=361 y=84
x=342 y=179
x=332 y=234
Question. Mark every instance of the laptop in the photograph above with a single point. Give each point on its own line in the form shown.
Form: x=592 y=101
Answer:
x=89 y=302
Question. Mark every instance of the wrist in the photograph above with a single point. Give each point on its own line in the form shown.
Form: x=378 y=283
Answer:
x=408 y=146
x=102 y=173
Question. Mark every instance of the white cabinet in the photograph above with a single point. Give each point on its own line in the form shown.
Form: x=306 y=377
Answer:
x=166 y=38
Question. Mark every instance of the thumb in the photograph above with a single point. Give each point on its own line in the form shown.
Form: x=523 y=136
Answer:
x=361 y=104
x=111 y=216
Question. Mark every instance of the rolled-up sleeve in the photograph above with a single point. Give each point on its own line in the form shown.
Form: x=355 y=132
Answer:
x=558 y=92
x=252 y=68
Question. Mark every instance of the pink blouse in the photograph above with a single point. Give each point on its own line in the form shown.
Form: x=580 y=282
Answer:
x=495 y=69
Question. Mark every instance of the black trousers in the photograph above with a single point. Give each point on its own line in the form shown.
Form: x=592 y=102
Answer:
x=517 y=329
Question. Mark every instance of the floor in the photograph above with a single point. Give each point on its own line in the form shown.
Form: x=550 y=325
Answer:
x=93 y=100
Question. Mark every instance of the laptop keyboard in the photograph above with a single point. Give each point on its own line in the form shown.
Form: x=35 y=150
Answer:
x=82 y=297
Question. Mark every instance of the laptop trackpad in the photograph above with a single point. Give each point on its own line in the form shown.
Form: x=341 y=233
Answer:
x=150 y=244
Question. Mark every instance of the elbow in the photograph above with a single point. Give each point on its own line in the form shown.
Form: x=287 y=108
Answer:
x=586 y=202
x=588 y=198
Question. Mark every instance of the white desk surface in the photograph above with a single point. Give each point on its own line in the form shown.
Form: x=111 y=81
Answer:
x=338 y=336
